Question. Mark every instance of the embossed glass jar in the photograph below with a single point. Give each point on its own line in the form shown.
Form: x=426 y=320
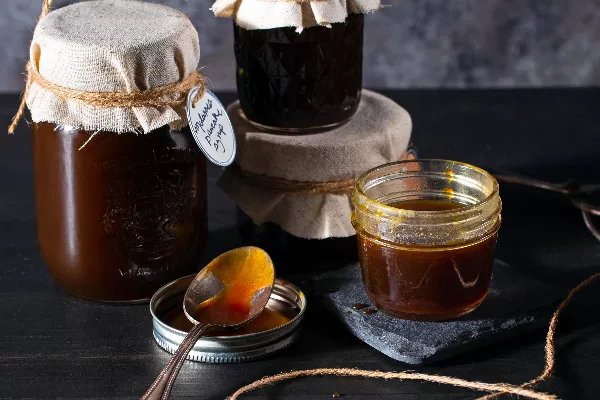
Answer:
x=120 y=182
x=122 y=216
x=290 y=81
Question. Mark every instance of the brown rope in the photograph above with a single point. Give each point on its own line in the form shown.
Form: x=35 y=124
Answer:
x=292 y=186
x=47 y=4
x=305 y=187
x=45 y=8
x=488 y=387
x=169 y=95
x=154 y=97
x=499 y=388
x=550 y=348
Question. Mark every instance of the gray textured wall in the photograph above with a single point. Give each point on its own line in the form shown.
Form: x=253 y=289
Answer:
x=414 y=43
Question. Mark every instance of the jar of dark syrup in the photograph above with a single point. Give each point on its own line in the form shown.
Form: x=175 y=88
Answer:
x=120 y=182
x=294 y=82
x=122 y=216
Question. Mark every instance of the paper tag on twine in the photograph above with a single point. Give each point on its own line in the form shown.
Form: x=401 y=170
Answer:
x=211 y=127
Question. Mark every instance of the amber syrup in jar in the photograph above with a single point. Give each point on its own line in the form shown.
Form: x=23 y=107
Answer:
x=121 y=216
x=417 y=282
x=289 y=81
x=426 y=233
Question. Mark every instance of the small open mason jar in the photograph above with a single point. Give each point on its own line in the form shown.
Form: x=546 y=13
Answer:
x=426 y=232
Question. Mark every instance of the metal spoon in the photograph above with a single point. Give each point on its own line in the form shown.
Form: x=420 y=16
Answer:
x=230 y=291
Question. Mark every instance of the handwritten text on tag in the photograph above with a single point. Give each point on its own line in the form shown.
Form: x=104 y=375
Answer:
x=211 y=127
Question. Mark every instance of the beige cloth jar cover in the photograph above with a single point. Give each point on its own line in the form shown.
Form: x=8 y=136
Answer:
x=111 y=46
x=268 y=14
x=379 y=133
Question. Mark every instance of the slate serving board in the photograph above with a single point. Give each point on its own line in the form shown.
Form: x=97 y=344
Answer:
x=514 y=305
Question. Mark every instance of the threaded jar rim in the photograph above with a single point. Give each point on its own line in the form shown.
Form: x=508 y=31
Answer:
x=474 y=188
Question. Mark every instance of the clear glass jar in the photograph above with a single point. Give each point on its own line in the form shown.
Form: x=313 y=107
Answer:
x=289 y=81
x=122 y=216
x=432 y=258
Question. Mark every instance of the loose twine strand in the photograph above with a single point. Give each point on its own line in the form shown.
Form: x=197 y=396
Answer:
x=550 y=348
x=46 y=5
x=498 y=388
x=169 y=95
x=447 y=380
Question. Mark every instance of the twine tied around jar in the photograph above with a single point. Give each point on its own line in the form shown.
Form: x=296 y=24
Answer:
x=294 y=187
x=174 y=94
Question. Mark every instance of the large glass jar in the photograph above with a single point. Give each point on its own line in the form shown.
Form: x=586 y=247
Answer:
x=426 y=233
x=121 y=216
x=289 y=81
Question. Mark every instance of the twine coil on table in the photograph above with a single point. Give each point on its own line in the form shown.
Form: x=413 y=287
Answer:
x=497 y=389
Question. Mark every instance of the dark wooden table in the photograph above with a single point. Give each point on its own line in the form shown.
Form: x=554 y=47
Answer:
x=53 y=345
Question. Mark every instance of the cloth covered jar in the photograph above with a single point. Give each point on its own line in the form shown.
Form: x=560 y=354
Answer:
x=299 y=64
x=120 y=187
x=293 y=191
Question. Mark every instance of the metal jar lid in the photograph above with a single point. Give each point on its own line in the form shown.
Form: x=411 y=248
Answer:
x=286 y=298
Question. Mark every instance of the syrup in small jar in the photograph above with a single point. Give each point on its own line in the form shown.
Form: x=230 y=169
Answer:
x=427 y=232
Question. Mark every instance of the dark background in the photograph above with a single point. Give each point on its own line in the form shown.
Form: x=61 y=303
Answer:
x=412 y=43
x=53 y=345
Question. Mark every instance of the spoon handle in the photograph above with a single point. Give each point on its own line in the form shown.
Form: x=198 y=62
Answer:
x=564 y=188
x=161 y=387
